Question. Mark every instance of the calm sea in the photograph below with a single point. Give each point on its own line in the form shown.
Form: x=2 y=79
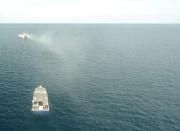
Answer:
x=99 y=77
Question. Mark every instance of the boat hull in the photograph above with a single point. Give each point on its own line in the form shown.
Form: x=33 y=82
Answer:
x=41 y=112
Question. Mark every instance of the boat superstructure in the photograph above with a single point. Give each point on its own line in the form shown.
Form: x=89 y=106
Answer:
x=24 y=35
x=40 y=100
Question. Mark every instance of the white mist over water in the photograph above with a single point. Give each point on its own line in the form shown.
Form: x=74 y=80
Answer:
x=70 y=54
x=46 y=40
x=64 y=46
x=69 y=50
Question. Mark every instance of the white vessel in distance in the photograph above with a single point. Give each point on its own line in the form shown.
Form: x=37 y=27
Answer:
x=40 y=100
x=24 y=35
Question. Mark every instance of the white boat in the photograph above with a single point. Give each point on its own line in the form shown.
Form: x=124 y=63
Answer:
x=24 y=35
x=40 y=100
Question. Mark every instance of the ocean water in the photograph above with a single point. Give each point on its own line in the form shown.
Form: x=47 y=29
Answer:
x=99 y=77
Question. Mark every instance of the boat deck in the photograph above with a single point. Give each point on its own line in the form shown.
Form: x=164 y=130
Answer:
x=40 y=99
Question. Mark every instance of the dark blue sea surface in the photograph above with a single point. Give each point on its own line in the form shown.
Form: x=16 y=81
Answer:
x=99 y=77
